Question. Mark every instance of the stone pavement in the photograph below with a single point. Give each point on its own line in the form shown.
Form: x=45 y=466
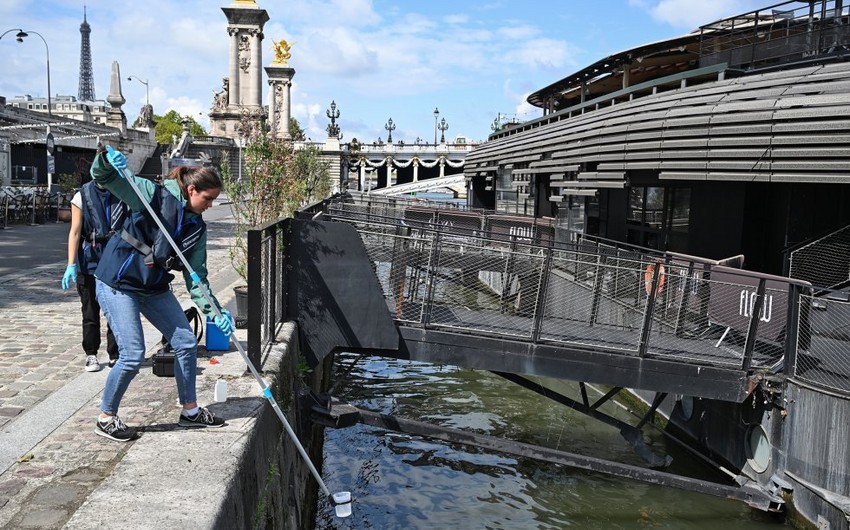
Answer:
x=52 y=465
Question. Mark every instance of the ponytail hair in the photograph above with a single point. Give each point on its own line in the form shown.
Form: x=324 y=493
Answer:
x=203 y=178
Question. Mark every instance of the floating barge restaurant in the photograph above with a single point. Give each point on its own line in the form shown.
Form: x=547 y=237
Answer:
x=732 y=141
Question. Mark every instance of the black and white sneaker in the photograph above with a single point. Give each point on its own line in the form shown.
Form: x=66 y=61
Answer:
x=91 y=364
x=203 y=418
x=112 y=362
x=114 y=429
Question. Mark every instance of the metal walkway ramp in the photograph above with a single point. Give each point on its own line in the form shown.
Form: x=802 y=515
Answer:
x=503 y=293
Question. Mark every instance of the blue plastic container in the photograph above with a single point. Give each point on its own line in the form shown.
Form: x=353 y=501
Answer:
x=216 y=340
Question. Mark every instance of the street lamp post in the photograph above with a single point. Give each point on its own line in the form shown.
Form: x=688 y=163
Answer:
x=436 y=115
x=390 y=127
x=147 y=94
x=443 y=127
x=20 y=38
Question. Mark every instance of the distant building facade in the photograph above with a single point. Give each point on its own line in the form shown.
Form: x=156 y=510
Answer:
x=64 y=107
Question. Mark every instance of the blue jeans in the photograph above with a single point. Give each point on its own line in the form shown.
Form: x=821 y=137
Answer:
x=123 y=311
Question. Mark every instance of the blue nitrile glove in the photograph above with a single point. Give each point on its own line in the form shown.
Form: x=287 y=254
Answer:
x=116 y=158
x=224 y=323
x=69 y=276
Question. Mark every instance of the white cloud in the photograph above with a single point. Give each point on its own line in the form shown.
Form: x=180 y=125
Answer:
x=687 y=14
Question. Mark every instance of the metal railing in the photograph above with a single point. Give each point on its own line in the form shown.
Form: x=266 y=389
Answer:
x=826 y=363
x=492 y=278
x=266 y=287
x=507 y=276
x=824 y=262
x=786 y=32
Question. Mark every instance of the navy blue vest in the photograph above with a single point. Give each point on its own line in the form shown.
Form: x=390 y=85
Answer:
x=103 y=215
x=139 y=257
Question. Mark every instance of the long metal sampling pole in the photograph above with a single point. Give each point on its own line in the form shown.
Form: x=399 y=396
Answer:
x=266 y=392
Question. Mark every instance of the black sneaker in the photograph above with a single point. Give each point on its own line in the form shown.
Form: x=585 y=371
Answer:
x=203 y=418
x=112 y=362
x=114 y=429
x=91 y=363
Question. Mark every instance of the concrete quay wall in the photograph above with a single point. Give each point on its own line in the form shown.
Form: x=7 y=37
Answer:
x=246 y=475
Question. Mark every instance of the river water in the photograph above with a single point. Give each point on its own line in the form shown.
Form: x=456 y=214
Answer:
x=409 y=482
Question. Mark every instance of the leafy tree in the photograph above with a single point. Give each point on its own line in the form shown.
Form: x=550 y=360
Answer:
x=295 y=130
x=172 y=125
x=276 y=180
x=312 y=173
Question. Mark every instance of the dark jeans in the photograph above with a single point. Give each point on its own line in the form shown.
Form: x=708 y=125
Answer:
x=91 y=318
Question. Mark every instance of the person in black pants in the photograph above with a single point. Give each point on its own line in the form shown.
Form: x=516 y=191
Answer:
x=95 y=215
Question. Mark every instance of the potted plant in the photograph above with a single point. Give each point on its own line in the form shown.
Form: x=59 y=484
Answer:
x=68 y=184
x=276 y=178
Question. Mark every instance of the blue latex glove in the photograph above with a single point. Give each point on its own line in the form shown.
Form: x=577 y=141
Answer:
x=224 y=323
x=69 y=276
x=116 y=158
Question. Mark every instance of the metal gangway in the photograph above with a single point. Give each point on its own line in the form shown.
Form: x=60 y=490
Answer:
x=511 y=294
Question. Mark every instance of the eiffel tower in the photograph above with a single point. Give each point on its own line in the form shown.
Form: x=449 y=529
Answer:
x=86 y=91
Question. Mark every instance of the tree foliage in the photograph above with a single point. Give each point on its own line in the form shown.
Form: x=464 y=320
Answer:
x=171 y=125
x=295 y=130
x=276 y=179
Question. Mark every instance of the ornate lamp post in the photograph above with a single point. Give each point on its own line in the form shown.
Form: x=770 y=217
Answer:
x=436 y=115
x=20 y=36
x=333 y=114
x=390 y=127
x=443 y=127
x=147 y=95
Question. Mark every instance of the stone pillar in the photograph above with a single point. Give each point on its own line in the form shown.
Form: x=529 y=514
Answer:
x=362 y=175
x=389 y=172
x=255 y=72
x=332 y=153
x=415 y=170
x=245 y=21
x=115 y=116
x=233 y=82
x=280 y=83
x=442 y=166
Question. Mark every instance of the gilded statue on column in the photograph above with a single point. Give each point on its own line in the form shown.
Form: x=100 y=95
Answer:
x=281 y=51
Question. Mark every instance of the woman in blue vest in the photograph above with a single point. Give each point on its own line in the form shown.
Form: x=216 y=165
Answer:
x=95 y=215
x=133 y=279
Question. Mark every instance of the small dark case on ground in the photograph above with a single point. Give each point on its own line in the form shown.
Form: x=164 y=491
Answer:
x=163 y=363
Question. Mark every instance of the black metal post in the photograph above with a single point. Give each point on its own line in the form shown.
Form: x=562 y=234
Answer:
x=255 y=295
x=797 y=318
x=273 y=317
x=752 y=329
x=542 y=287
x=643 y=345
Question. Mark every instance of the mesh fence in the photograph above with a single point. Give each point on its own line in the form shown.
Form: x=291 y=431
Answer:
x=611 y=299
x=824 y=355
x=500 y=275
x=825 y=262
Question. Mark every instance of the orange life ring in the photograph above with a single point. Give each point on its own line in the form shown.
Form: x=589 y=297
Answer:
x=647 y=278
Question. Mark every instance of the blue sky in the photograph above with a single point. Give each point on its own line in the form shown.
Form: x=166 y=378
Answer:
x=378 y=59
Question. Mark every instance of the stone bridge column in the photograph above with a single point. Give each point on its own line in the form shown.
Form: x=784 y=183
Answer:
x=255 y=98
x=233 y=81
x=415 y=170
x=280 y=84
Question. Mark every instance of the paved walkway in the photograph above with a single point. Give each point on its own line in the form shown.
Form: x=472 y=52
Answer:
x=51 y=462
